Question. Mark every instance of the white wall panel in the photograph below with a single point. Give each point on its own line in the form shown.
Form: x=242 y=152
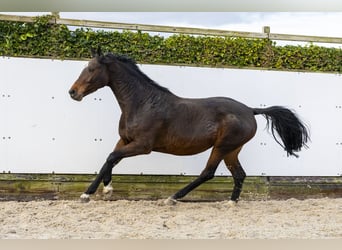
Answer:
x=42 y=130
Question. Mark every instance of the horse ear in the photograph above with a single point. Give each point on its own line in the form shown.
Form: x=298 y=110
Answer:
x=99 y=52
x=96 y=52
x=93 y=52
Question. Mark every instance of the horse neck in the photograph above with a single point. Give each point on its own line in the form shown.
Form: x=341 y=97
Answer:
x=133 y=93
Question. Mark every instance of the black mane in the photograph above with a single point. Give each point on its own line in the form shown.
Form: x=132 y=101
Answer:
x=108 y=58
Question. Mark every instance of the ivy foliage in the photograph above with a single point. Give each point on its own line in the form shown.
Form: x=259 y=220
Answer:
x=45 y=39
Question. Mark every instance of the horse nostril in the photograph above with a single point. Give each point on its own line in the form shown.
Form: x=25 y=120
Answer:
x=72 y=92
x=75 y=95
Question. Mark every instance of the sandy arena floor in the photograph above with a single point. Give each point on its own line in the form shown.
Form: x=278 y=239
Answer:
x=285 y=219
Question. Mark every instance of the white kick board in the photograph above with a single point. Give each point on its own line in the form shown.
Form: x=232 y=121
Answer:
x=42 y=130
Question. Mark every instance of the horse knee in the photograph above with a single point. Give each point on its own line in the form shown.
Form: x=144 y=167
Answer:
x=112 y=159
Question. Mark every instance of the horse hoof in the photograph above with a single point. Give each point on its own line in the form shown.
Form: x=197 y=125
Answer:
x=84 y=198
x=107 y=189
x=170 y=201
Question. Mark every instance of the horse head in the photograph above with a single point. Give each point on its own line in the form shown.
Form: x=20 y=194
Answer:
x=92 y=78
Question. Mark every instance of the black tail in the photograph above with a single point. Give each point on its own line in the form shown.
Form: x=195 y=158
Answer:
x=290 y=129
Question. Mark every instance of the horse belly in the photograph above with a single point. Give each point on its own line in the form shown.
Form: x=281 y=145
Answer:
x=182 y=150
x=183 y=145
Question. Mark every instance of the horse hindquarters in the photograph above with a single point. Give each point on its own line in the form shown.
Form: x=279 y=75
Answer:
x=233 y=133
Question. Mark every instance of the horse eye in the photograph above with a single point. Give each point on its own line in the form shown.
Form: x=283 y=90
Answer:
x=90 y=70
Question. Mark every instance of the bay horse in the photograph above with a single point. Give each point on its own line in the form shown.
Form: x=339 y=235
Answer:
x=155 y=119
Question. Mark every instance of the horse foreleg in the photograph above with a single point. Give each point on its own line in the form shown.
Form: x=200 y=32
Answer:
x=105 y=171
x=207 y=174
x=107 y=181
x=107 y=178
x=131 y=149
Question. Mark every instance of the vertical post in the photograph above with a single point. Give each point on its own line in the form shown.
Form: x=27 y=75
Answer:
x=55 y=16
x=266 y=30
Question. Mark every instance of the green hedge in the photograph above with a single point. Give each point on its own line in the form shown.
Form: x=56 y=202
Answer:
x=43 y=39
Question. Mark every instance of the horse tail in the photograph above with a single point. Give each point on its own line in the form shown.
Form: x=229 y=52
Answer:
x=292 y=131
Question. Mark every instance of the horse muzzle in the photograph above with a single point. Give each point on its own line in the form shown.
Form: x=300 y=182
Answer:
x=74 y=95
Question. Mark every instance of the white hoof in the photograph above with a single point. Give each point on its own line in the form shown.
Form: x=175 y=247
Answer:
x=108 y=189
x=85 y=198
x=170 y=201
x=107 y=192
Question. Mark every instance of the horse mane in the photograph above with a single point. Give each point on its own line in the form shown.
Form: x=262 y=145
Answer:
x=109 y=58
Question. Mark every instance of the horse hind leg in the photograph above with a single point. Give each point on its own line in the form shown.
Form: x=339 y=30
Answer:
x=233 y=164
x=207 y=174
